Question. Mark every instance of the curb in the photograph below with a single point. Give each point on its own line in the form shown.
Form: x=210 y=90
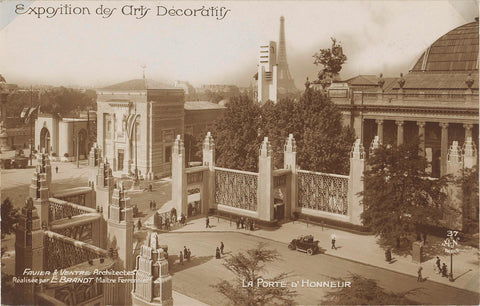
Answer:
x=331 y=255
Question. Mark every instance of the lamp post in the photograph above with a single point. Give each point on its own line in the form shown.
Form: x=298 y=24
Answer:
x=450 y=276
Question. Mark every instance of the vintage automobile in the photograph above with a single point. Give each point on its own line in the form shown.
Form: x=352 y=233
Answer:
x=304 y=244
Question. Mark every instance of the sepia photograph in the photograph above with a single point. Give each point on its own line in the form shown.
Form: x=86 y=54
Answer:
x=242 y=153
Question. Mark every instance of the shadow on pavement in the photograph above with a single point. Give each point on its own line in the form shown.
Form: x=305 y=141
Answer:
x=175 y=266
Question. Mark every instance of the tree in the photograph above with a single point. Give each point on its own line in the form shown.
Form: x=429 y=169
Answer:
x=248 y=267
x=332 y=60
x=364 y=291
x=399 y=195
x=468 y=182
x=9 y=217
x=236 y=135
x=323 y=144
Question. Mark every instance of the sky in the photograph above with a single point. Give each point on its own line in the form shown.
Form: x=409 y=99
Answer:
x=93 y=51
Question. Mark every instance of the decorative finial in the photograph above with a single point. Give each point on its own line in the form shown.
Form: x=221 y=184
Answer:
x=401 y=81
x=381 y=81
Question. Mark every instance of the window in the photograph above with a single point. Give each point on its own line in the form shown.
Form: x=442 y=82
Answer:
x=168 y=154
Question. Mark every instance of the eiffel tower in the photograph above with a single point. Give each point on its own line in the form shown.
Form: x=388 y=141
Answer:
x=285 y=80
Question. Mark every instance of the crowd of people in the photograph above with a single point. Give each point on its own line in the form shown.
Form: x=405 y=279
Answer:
x=245 y=223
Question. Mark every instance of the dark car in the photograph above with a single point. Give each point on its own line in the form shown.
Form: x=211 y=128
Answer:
x=304 y=244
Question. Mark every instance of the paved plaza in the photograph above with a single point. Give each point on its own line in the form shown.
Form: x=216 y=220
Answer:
x=192 y=282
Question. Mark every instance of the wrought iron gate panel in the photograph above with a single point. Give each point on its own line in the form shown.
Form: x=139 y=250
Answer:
x=236 y=189
x=324 y=192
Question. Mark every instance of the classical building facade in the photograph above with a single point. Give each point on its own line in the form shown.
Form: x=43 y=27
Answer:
x=63 y=136
x=138 y=121
x=437 y=100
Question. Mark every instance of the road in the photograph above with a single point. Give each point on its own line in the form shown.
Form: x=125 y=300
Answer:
x=195 y=278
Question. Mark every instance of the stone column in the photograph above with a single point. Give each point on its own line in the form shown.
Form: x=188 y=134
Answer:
x=120 y=238
x=39 y=193
x=454 y=166
x=421 y=136
x=355 y=182
x=444 y=148
x=179 y=178
x=399 y=124
x=469 y=153
x=29 y=248
x=208 y=193
x=374 y=145
x=265 y=182
x=380 y=129
x=290 y=162
x=468 y=130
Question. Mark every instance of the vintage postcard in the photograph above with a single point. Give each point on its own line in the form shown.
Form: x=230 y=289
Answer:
x=239 y=152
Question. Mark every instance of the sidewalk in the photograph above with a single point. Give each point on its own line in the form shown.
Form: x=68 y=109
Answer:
x=359 y=248
x=183 y=300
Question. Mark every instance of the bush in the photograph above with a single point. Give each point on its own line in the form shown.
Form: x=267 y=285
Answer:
x=65 y=155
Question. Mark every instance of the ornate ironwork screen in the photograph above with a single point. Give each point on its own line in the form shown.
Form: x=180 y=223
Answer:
x=325 y=192
x=62 y=252
x=58 y=209
x=82 y=232
x=236 y=188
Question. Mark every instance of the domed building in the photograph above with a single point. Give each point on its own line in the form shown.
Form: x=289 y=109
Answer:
x=436 y=100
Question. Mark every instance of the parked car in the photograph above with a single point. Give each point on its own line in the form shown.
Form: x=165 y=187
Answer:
x=304 y=244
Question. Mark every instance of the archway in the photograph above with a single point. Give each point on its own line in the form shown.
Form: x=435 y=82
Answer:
x=45 y=140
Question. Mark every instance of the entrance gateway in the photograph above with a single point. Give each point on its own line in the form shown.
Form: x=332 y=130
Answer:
x=270 y=195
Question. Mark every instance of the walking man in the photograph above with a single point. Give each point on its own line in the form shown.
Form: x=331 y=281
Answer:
x=444 y=270
x=334 y=238
x=188 y=254
x=185 y=252
x=207 y=222
x=217 y=253
x=419 y=272
x=439 y=267
x=139 y=224
x=221 y=247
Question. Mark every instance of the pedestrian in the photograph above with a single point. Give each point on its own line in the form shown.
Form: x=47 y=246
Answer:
x=181 y=258
x=185 y=252
x=217 y=253
x=56 y=169
x=444 y=270
x=241 y=222
x=188 y=254
x=247 y=222
x=207 y=222
x=238 y=223
x=139 y=224
x=439 y=267
x=334 y=238
x=419 y=272
x=150 y=187
x=252 y=226
x=388 y=255
x=151 y=205
x=221 y=247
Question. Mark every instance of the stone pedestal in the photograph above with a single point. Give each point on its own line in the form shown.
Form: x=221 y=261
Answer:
x=417 y=252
